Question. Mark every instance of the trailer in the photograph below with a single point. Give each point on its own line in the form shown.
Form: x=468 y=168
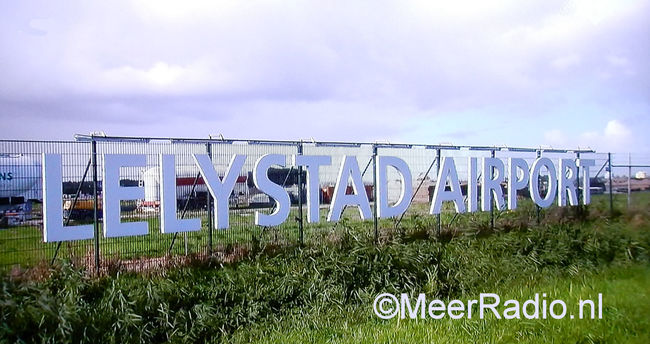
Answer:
x=190 y=189
x=19 y=177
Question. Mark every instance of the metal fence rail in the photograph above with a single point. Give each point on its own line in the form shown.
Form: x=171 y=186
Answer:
x=21 y=237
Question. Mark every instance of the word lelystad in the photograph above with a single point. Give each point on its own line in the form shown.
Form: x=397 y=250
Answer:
x=561 y=183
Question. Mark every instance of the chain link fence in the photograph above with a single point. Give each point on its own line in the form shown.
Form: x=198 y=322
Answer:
x=616 y=181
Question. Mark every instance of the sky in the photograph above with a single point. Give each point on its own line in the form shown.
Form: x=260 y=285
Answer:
x=563 y=74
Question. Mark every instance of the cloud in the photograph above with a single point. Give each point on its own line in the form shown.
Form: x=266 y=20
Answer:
x=617 y=61
x=616 y=136
x=556 y=137
x=615 y=130
x=565 y=62
x=421 y=62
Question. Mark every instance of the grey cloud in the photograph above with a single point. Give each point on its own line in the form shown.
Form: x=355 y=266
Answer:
x=138 y=63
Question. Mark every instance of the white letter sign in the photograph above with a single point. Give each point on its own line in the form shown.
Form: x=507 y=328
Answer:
x=53 y=229
x=169 y=222
x=349 y=169
x=114 y=193
x=220 y=189
x=383 y=209
x=277 y=192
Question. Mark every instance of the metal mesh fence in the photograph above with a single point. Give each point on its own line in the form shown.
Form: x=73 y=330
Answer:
x=616 y=180
x=129 y=250
x=628 y=179
x=21 y=220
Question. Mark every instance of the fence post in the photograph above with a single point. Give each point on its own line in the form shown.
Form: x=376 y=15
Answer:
x=579 y=208
x=208 y=148
x=629 y=183
x=95 y=203
x=300 y=182
x=611 y=195
x=539 y=209
x=492 y=155
x=374 y=192
x=438 y=216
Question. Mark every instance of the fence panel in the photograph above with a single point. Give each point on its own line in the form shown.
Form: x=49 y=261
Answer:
x=629 y=181
x=21 y=229
x=325 y=230
x=616 y=183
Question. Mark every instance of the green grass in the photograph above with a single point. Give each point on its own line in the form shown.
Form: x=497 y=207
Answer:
x=626 y=316
x=22 y=245
x=323 y=292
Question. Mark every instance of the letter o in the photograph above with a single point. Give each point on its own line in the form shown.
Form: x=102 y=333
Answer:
x=535 y=170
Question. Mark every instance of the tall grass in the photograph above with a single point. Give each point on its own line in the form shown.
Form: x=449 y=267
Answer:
x=210 y=301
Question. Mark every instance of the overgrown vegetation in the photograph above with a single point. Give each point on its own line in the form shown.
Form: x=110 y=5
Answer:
x=311 y=287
